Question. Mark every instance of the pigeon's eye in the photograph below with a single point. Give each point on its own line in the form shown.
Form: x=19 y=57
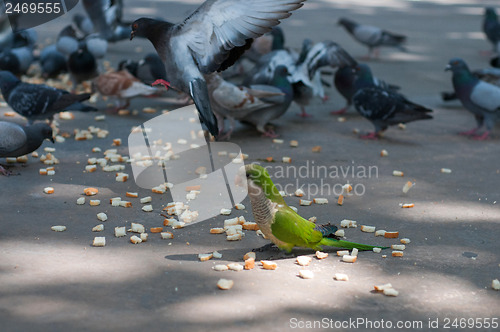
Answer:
x=135 y=26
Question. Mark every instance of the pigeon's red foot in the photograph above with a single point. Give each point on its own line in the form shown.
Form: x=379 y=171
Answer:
x=339 y=112
x=270 y=133
x=486 y=53
x=482 y=137
x=468 y=132
x=161 y=82
x=305 y=115
x=372 y=136
x=5 y=172
x=325 y=98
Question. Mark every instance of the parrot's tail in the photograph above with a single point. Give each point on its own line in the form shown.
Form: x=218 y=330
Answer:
x=346 y=244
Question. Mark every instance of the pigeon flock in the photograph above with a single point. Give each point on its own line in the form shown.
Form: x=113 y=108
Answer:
x=230 y=59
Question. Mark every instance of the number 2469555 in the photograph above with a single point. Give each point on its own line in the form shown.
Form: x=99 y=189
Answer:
x=33 y=8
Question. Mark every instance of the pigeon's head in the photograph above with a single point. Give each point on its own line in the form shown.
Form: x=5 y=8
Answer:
x=457 y=65
x=281 y=71
x=8 y=61
x=7 y=82
x=489 y=13
x=143 y=27
x=44 y=130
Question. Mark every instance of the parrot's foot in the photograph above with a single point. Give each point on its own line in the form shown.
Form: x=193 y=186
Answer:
x=161 y=82
x=482 y=137
x=339 y=112
x=372 y=136
x=469 y=132
x=266 y=247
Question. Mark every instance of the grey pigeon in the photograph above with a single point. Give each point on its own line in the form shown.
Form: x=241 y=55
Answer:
x=106 y=17
x=491 y=28
x=304 y=68
x=38 y=101
x=279 y=104
x=210 y=39
x=148 y=70
x=385 y=108
x=479 y=97
x=83 y=23
x=372 y=37
x=236 y=102
x=349 y=79
x=16 y=140
x=52 y=62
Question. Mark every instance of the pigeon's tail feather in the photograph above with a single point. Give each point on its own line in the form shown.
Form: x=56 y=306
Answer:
x=81 y=107
x=346 y=244
x=199 y=93
x=412 y=112
x=392 y=39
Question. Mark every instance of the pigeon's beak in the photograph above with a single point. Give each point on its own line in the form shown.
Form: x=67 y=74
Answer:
x=132 y=35
x=52 y=140
x=447 y=68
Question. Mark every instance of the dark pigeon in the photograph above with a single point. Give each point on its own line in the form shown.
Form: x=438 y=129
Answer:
x=52 y=62
x=372 y=37
x=491 y=28
x=17 y=60
x=209 y=40
x=385 y=108
x=38 y=101
x=347 y=81
x=82 y=66
x=479 y=97
x=148 y=70
x=16 y=140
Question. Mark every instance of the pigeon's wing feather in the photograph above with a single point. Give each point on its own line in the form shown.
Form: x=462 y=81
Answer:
x=486 y=96
x=218 y=26
x=368 y=34
x=12 y=137
x=26 y=99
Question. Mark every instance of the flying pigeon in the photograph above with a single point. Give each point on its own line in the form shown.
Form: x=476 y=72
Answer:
x=236 y=102
x=491 y=28
x=52 y=61
x=147 y=70
x=16 y=140
x=38 y=101
x=122 y=85
x=106 y=17
x=211 y=39
x=304 y=68
x=347 y=81
x=385 y=108
x=479 y=97
x=372 y=37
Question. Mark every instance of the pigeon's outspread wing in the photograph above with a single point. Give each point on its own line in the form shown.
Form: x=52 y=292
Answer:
x=219 y=26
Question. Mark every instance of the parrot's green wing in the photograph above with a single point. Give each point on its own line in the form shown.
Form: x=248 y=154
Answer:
x=291 y=228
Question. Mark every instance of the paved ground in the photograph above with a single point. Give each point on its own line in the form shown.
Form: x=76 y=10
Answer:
x=58 y=282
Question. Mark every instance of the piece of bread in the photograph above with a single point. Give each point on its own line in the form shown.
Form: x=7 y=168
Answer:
x=269 y=265
x=306 y=274
x=99 y=241
x=225 y=284
x=303 y=260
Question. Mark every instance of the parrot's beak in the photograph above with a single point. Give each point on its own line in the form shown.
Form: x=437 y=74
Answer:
x=447 y=68
x=132 y=35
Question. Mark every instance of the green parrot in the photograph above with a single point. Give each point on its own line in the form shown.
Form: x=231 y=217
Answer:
x=282 y=225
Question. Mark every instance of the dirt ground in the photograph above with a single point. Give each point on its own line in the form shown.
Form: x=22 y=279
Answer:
x=58 y=282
